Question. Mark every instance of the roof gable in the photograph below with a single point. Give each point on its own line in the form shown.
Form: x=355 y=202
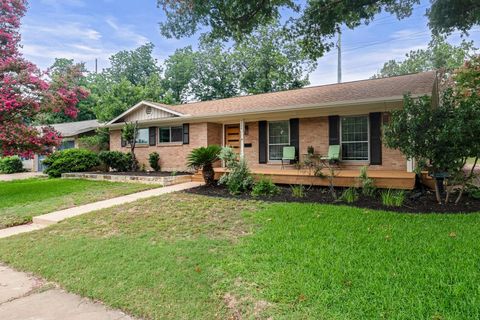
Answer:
x=145 y=110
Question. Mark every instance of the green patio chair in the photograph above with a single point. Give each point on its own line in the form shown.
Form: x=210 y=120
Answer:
x=288 y=154
x=333 y=154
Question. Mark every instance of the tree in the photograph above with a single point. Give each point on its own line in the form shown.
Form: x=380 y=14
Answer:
x=439 y=55
x=314 y=24
x=179 y=71
x=129 y=134
x=65 y=72
x=24 y=92
x=203 y=158
x=269 y=61
x=215 y=76
x=137 y=66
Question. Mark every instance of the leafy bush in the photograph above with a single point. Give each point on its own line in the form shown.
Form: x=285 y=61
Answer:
x=298 y=191
x=11 y=164
x=264 y=187
x=393 y=198
x=349 y=195
x=98 y=142
x=366 y=183
x=474 y=192
x=71 y=160
x=116 y=160
x=154 y=160
x=238 y=179
x=203 y=158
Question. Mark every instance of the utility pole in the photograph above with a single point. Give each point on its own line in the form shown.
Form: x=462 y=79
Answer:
x=96 y=65
x=339 y=52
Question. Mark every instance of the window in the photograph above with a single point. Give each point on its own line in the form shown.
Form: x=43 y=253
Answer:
x=278 y=137
x=142 y=136
x=354 y=135
x=170 y=134
x=67 y=144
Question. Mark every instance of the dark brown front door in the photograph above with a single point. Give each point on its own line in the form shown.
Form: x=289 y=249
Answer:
x=232 y=137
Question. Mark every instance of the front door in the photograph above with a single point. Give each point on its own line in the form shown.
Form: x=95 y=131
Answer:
x=232 y=137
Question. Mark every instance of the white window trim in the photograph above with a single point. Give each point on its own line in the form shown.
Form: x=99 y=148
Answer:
x=276 y=144
x=368 y=140
x=170 y=138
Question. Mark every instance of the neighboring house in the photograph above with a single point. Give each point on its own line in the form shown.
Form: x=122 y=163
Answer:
x=349 y=114
x=70 y=132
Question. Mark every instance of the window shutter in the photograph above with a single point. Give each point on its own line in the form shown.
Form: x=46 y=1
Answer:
x=123 y=142
x=294 y=137
x=333 y=130
x=152 y=136
x=375 y=138
x=262 y=141
x=186 y=133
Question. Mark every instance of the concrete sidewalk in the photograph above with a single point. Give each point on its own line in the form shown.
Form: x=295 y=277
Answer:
x=26 y=297
x=45 y=220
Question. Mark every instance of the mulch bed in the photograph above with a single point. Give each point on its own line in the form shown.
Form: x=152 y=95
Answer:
x=416 y=201
x=144 y=174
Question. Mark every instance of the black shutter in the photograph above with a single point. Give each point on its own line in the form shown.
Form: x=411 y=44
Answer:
x=152 y=136
x=375 y=138
x=262 y=141
x=294 y=136
x=123 y=142
x=186 y=133
x=333 y=130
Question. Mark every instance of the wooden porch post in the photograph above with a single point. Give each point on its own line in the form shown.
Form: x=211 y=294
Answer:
x=242 y=138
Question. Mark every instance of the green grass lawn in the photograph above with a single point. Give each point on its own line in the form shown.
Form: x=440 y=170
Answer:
x=183 y=256
x=20 y=200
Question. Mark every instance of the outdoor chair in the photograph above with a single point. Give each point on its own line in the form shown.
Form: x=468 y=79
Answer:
x=288 y=155
x=333 y=154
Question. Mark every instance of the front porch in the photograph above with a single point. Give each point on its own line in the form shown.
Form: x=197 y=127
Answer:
x=386 y=179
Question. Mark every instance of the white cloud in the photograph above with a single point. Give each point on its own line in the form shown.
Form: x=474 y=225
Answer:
x=126 y=32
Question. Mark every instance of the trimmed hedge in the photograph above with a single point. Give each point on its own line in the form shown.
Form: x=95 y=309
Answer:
x=116 y=160
x=70 y=160
x=11 y=164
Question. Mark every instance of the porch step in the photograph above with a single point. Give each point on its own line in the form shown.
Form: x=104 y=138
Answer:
x=197 y=177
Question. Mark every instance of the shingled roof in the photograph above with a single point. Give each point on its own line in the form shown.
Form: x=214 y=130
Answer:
x=371 y=89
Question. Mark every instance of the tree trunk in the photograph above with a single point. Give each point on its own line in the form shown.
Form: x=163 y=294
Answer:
x=470 y=176
x=208 y=175
x=437 y=190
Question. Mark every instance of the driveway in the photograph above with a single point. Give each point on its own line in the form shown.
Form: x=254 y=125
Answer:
x=20 y=176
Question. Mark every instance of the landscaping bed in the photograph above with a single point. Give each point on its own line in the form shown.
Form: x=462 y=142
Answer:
x=416 y=201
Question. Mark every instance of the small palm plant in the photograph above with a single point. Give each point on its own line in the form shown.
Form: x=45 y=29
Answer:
x=203 y=158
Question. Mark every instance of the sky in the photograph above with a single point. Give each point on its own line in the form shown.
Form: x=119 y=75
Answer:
x=85 y=30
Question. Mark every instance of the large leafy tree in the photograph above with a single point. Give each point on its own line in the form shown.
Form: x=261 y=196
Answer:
x=313 y=24
x=439 y=55
x=65 y=72
x=137 y=66
x=270 y=61
x=215 y=75
x=24 y=92
x=179 y=71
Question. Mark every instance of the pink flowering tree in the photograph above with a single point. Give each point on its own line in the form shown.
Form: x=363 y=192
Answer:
x=25 y=91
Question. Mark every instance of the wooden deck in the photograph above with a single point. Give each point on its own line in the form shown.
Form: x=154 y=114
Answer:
x=342 y=178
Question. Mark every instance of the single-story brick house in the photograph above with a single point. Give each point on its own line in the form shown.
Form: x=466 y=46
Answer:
x=349 y=114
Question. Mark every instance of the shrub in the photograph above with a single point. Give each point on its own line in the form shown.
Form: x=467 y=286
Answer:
x=264 y=187
x=154 y=160
x=203 y=158
x=474 y=192
x=11 y=164
x=349 y=195
x=298 y=191
x=366 y=183
x=71 y=160
x=393 y=198
x=116 y=160
x=238 y=179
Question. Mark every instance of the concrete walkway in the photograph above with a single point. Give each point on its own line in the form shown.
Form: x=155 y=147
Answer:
x=45 y=220
x=26 y=297
x=21 y=176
